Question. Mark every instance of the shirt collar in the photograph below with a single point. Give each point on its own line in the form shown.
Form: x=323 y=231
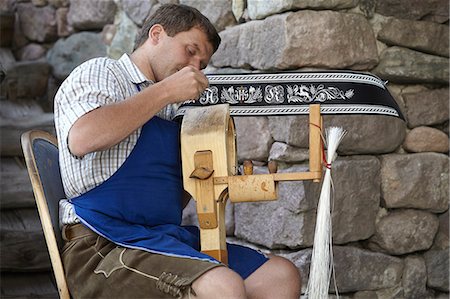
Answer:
x=133 y=72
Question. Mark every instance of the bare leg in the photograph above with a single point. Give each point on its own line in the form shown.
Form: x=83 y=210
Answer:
x=277 y=278
x=219 y=283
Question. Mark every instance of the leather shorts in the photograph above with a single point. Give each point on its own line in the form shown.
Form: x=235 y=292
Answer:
x=98 y=268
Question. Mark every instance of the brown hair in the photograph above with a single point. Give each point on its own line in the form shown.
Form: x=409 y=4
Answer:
x=176 y=18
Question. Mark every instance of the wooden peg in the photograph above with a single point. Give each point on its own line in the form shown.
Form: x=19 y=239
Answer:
x=248 y=167
x=201 y=173
x=273 y=166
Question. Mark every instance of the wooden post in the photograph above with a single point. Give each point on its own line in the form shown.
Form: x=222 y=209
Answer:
x=315 y=141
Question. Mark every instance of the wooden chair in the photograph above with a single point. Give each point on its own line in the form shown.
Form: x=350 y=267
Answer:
x=41 y=155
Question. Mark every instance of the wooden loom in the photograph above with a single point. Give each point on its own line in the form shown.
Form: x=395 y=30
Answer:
x=209 y=160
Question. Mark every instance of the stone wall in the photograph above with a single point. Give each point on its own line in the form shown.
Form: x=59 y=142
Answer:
x=390 y=218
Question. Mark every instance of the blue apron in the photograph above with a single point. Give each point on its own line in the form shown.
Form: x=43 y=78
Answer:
x=140 y=205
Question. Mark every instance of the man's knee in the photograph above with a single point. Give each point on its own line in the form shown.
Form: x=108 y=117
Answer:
x=285 y=270
x=277 y=278
x=220 y=282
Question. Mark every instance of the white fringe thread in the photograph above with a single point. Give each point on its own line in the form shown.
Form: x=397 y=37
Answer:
x=322 y=255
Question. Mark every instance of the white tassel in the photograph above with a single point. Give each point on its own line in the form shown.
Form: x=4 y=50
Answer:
x=322 y=254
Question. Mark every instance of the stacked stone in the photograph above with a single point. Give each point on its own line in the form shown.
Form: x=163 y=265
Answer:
x=391 y=182
x=390 y=217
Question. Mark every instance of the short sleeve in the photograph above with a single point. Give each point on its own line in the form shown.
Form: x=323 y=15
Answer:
x=90 y=86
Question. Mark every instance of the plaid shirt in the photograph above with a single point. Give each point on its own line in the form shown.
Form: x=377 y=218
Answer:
x=95 y=83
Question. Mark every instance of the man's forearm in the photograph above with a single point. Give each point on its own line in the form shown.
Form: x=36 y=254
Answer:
x=106 y=126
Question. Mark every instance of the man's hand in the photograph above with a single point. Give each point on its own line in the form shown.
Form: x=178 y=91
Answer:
x=186 y=84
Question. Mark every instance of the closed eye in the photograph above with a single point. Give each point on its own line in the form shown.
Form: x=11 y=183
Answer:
x=191 y=51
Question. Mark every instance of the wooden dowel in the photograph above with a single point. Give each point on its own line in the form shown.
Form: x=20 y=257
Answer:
x=297 y=176
x=248 y=167
x=286 y=176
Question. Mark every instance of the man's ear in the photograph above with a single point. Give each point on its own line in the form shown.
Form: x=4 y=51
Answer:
x=155 y=33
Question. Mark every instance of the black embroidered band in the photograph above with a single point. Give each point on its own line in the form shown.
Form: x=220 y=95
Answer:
x=290 y=93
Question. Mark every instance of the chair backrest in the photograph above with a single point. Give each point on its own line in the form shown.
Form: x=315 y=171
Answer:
x=41 y=156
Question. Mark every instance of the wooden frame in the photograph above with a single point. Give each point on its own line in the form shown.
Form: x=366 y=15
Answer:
x=208 y=153
x=208 y=150
x=27 y=140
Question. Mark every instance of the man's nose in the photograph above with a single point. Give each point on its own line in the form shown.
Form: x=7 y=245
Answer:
x=195 y=62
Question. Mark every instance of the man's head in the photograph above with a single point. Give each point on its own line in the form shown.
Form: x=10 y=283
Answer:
x=178 y=18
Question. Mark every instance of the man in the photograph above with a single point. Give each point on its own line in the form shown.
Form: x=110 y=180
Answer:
x=119 y=157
